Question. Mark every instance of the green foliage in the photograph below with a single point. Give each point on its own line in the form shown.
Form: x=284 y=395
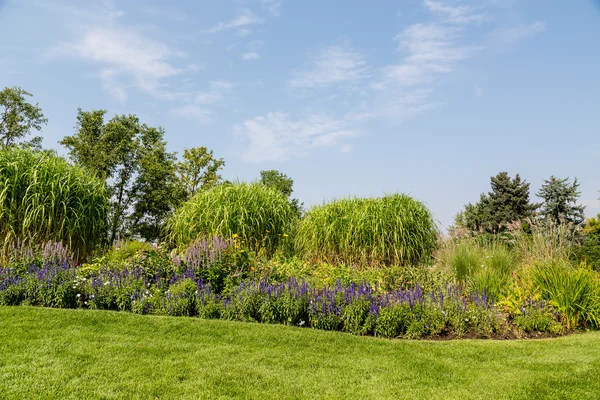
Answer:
x=140 y=173
x=589 y=251
x=393 y=229
x=282 y=183
x=259 y=217
x=199 y=170
x=463 y=260
x=547 y=242
x=44 y=198
x=277 y=180
x=494 y=275
x=538 y=317
x=560 y=201
x=508 y=202
x=575 y=292
x=18 y=118
x=484 y=267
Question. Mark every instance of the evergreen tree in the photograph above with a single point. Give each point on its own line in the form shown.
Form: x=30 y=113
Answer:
x=507 y=202
x=560 y=201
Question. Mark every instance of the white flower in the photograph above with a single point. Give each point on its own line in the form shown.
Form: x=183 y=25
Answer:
x=85 y=302
x=78 y=294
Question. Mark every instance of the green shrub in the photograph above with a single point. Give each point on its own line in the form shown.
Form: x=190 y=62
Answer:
x=393 y=229
x=463 y=260
x=259 y=217
x=575 y=292
x=494 y=275
x=44 y=198
x=538 y=317
x=393 y=321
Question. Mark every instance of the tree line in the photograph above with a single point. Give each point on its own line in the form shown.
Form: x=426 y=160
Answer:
x=146 y=182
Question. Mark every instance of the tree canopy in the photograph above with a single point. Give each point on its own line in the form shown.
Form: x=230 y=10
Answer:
x=18 y=118
x=283 y=184
x=507 y=202
x=560 y=201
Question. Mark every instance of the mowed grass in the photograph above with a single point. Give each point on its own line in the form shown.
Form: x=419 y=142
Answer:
x=47 y=353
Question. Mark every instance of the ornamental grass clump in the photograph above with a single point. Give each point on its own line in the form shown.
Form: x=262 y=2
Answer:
x=256 y=216
x=394 y=229
x=44 y=198
x=575 y=292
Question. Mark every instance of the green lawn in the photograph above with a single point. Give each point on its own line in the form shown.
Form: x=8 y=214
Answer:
x=80 y=354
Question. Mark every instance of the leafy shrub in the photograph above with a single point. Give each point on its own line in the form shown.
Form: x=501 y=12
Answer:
x=589 y=251
x=538 y=317
x=463 y=259
x=575 y=292
x=393 y=321
x=393 y=229
x=44 y=198
x=260 y=216
x=217 y=261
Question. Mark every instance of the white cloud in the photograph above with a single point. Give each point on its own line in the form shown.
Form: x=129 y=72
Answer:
x=455 y=15
x=512 y=35
x=251 y=56
x=275 y=137
x=126 y=58
x=346 y=148
x=221 y=85
x=111 y=84
x=191 y=111
x=273 y=7
x=430 y=50
x=478 y=91
x=215 y=94
x=242 y=23
x=333 y=65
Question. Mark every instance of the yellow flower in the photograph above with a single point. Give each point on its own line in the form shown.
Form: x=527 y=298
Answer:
x=285 y=235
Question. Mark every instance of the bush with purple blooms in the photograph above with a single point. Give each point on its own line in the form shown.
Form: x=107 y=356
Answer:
x=360 y=309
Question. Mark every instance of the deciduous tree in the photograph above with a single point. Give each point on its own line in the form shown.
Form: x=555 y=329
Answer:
x=18 y=118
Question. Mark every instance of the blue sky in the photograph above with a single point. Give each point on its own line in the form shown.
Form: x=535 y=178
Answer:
x=425 y=97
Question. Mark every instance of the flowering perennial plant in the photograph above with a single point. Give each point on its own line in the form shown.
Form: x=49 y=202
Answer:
x=361 y=309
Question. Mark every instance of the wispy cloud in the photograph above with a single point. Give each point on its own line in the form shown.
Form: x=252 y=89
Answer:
x=191 y=111
x=242 y=23
x=215 y=94
x=430 y=50
x=333 y=65
x=126 y=59
x=454 y=14
x=478 y=91
x=276 y=137
x=251 y=56
x=273 y=7
x=197 y=106
x=512 y=35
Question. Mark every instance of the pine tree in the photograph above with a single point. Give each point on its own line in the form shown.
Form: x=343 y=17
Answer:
x=507 y=202
x=560 y=201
